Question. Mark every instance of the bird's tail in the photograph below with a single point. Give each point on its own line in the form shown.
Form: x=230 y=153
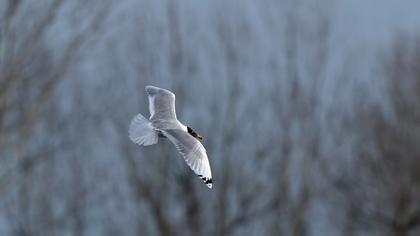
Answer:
x=142 y=132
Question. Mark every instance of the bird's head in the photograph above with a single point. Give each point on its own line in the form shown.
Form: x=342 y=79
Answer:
x=194 y=134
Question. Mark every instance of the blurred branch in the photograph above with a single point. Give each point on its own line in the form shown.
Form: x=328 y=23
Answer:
x=412 y=222
x=52 y=77
x=143 y=191
x=246 y=218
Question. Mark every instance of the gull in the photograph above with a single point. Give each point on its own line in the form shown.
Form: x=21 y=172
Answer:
x=164 y=124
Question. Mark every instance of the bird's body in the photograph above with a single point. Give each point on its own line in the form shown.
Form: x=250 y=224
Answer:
x=164 y=123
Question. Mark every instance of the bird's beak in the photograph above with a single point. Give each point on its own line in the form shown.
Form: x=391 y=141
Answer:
x=199 y=137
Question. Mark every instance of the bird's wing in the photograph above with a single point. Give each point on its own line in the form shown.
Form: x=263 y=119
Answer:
x=161 y=103
x=193 y=152
x=142 y=132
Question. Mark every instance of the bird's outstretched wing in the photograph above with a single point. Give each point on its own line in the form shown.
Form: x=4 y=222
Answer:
x=161 y=103
x=193 y=152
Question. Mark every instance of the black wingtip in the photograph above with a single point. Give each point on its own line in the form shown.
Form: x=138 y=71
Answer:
x=207 y=181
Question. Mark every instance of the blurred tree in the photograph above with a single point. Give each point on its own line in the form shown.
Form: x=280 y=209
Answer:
x=252 y=167
x=291 y=131
x=383 y=197
x=31 y=69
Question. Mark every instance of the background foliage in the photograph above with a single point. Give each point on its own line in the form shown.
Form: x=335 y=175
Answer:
x=310 y=112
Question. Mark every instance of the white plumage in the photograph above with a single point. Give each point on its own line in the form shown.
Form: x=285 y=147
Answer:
x=142 y=132
x=163 y=122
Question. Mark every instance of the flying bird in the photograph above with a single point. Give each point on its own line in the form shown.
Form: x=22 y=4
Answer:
x=164 y=124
